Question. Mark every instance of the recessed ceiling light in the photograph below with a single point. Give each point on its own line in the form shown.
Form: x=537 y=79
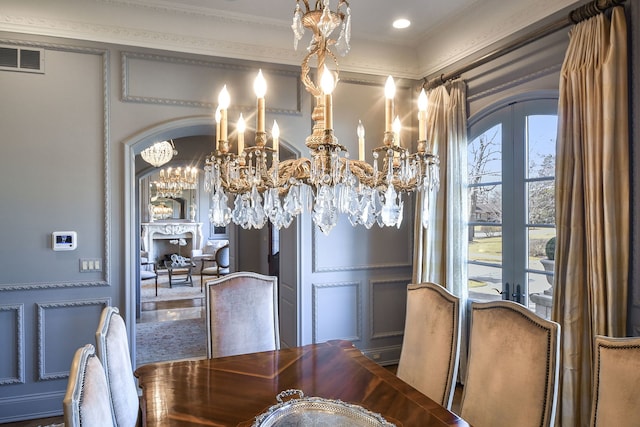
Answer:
x=401 y=23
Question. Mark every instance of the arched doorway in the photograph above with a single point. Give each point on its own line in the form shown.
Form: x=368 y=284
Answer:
x=191 y=127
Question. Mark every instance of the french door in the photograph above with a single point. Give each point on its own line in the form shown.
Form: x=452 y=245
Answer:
x=511 y=166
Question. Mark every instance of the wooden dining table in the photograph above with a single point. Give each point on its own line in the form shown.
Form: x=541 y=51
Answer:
x=233 y=390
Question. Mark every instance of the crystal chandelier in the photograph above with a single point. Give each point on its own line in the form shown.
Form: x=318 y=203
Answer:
x=161 y=211
x=159 y=153
x=329 y=182
x=173 y=182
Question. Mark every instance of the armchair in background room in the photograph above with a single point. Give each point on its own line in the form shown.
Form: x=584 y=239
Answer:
x=217 y=267
x=147 y=267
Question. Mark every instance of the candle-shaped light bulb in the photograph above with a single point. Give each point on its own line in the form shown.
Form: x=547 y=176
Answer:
x=223 y=102
x=241 y=127
x=422 y=115
x=327 y=84
x=260 y=89
x=224 y=99
x=389 y=94
x=217 y=118
x=396 y=129
x=360 y=132
x=275 y=134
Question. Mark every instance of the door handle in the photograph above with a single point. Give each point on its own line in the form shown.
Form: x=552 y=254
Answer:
x=505 y=293
x=518 y=296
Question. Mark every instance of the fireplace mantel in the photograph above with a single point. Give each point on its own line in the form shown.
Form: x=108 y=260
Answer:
x=169 y=230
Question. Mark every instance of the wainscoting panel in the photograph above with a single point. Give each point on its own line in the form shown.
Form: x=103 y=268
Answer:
x=337 y=312
x=151 y=79
x=71 y=319
x=388 y=307
x=375 y=249
x=12 y=344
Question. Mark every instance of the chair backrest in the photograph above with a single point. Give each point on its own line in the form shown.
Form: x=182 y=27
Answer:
x=242 y=314
x=431 y=343
x=512 y=367
x=113 y=351
x=222 y=259
x=616 y=375
x=212 y=246
x=86 y=402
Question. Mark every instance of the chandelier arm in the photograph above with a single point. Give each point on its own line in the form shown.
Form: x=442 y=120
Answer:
x=304 y=75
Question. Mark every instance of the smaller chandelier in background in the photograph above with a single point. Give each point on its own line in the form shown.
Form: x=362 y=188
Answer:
x=159 y=153
x=172 y=182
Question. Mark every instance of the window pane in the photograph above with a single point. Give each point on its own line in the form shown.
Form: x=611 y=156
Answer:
x=540 y=294
x=485 y=204
x=485 y=157
x=541 y=206
x=541 y=143
x=485 y=283
x=539 y=245
x=485 y=244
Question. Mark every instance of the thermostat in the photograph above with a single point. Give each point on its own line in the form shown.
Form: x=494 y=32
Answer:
x=64 y=240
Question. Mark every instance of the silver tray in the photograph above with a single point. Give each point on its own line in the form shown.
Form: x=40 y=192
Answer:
x=317 y=412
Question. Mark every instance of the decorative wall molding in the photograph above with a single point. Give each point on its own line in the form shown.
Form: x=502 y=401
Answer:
x=43 y=375
x=106 y=138
x=18 y=378
x=320 y=258
x=316 y=290
x=56 y=285
x=402 y=284
x=127 y=96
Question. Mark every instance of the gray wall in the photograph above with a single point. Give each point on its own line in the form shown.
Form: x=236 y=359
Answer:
x=70 y=138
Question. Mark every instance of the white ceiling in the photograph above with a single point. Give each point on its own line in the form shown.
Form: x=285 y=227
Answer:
x=442 y=31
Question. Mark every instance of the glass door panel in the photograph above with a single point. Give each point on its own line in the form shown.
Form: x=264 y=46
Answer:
x=511 y=166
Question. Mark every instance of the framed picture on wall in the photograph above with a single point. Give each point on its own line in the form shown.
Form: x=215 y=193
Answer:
x=218 y=232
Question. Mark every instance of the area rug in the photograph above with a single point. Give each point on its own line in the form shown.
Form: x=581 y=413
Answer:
x=165 y=293
x=162 y=341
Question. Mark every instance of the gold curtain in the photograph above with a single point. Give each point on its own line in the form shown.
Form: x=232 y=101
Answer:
x=592 y=204
x=440 y=254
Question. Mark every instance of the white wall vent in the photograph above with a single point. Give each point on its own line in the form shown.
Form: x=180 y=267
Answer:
x=30 y=60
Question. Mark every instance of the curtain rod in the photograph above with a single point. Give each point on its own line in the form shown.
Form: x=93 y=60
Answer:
x=582 y=13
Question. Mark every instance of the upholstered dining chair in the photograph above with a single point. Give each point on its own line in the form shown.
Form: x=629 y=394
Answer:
x=86 y=402
x=219 y=267
x=616 y=375
x=512 y=367
x=113 y=351
x=431 y=343
x=242 y=314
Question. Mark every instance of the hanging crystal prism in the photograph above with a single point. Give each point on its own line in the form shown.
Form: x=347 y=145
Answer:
x=240 y=214
x=325 y=212
x=257 y=217
x=219 y=213
x=293 y=201
x=326 y=24
x=297 y=27
x=391 y=213
x=343 y=43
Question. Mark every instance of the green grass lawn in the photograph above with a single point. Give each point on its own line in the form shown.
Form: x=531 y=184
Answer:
x=489 y=249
